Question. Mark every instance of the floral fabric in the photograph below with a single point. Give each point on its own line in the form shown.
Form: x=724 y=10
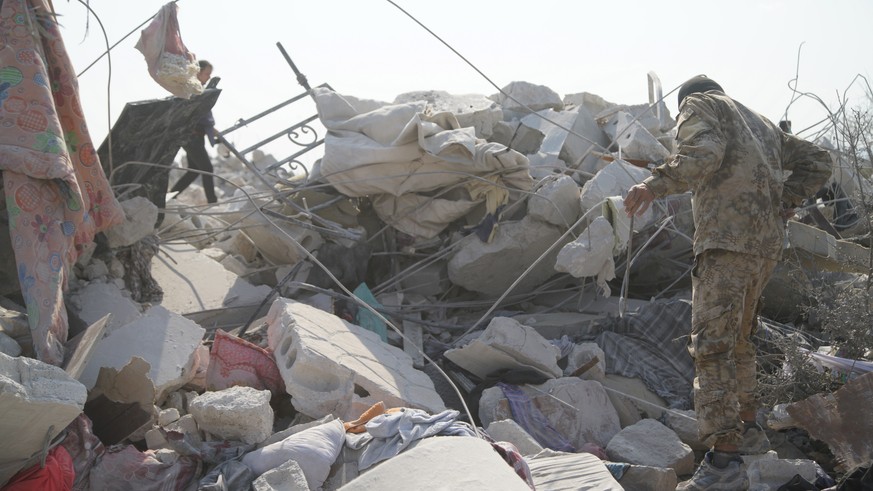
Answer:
x=57 y=195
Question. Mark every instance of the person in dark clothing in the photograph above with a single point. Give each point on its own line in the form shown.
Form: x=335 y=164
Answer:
x=195 y=148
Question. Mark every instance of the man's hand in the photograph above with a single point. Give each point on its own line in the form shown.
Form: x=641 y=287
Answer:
x=638 y=200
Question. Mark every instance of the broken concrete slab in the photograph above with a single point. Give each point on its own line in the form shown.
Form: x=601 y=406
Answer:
x=8 y=345
x=578 y=152
x=559 y=471
x=165 y=340
x=90 y=303
x=37 y=401
x=473 y=110
x=650 y=443
x=578 y=409
x=645 y=478
x=442 y=462
x=553 y=325
x=80 y=348
x=550 y=124
x=490 y=268
x=684 y=423
x=333 y=367
x=430 y=280
x=237 y=413
x=506 y=344
x=634 y=140
x=613 y=180
x=632 y=399
x=556 y=202
x=828 y=253
x=238 y=243
x=508 y=430
x=122 y=402
x=583 y=354
x=140 y=217
x=193 y=282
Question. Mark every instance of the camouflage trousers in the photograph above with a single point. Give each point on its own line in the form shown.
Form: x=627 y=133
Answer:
x=726 y=288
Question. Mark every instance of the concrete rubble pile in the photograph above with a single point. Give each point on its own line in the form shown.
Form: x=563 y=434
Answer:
x=225 y=357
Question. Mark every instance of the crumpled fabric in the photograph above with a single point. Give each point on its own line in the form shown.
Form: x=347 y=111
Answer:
x=390 y=433
x=235 y=361
x=529 y=417
x=513 y=457
x=57 y=475
x=84 y=448
x=229 y=476
x=57 y=195
x=170 y=63
x=123 y=468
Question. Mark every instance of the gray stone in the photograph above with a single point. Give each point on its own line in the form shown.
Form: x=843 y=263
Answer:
x=237 y=413
x=684 y=423
x=613 y=180
x=287 y=477
x=333 y=367
x=773 y=473
x=534 y=97
x=633 y=139
x=556 y=202
x=430 y=280
x=578 y=152
x=92 y=302
x=632 y=399
x=579 y=409
x=507 y=344
x=650 y=443
x=553 y=325
x=37 y=401
x=168 y=416
x=645 y=478
x=582 y=354
x=559 y=471
x=508 y=430
x=442 y=462
x=140 y=216
x=96 y=269
x=490 y=268
x=8 y=345
x=593 y=103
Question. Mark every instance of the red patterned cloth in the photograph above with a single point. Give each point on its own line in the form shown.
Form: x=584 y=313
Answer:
x=56 y=192
x=57 y=475
x=235 y=361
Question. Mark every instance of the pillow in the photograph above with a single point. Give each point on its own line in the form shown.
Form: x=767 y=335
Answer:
x=315 y=449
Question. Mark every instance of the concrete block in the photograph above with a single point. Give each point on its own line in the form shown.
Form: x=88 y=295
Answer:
x=582 y=354
x=490 y=268
x=442 y=463
x=776 y=472
x=238 y=413
x=80 y=348
x=214 y=253
x=577 y=152
x=238 y=243
x=193 y=282
x=508 y=430
x=96 y=269
x=165 y=340
x=333 y=367
x=633 y=139
x=559 y=471
x=168 y=416
x=430 y=280
x=473 y=110
x=534 y=97
x=650 y=443
x=632 y=399
x=140 y=216
x=234 y=265
x=645 y=478
x=507 y=344
x=613 y=180
x=593 y=103
x=34 y=397
x=578 y=409
x=556 y=202
x=287 y=477
x=591 y=254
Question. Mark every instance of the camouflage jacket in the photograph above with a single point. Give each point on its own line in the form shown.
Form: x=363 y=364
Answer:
x=736 y=163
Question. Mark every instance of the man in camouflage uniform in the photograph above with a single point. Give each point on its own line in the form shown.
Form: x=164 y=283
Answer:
x=735 y=162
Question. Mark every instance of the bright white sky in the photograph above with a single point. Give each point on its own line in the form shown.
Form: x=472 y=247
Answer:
x=369 y=49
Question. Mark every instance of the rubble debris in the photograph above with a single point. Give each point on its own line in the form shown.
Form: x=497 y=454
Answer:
x=774 y=472
x=37 y=401
x=840 y=420
x=235 y=413
x=646 y=478
x=578 y=409
x=8 y=345
x=287 y=477
x=523 y=97
x=505 y=344
x=556 y=201
x=490 y=268
x=140 y=216
x=471 y=110
x=165 y=340
x=88 y=304
x=650 y=443
x=631 y=137
x=591 y=254
x=333 y=367
x=125 y=467
x=452 y=462
x=80 y=348
x=234 y=361
x=121 y=401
